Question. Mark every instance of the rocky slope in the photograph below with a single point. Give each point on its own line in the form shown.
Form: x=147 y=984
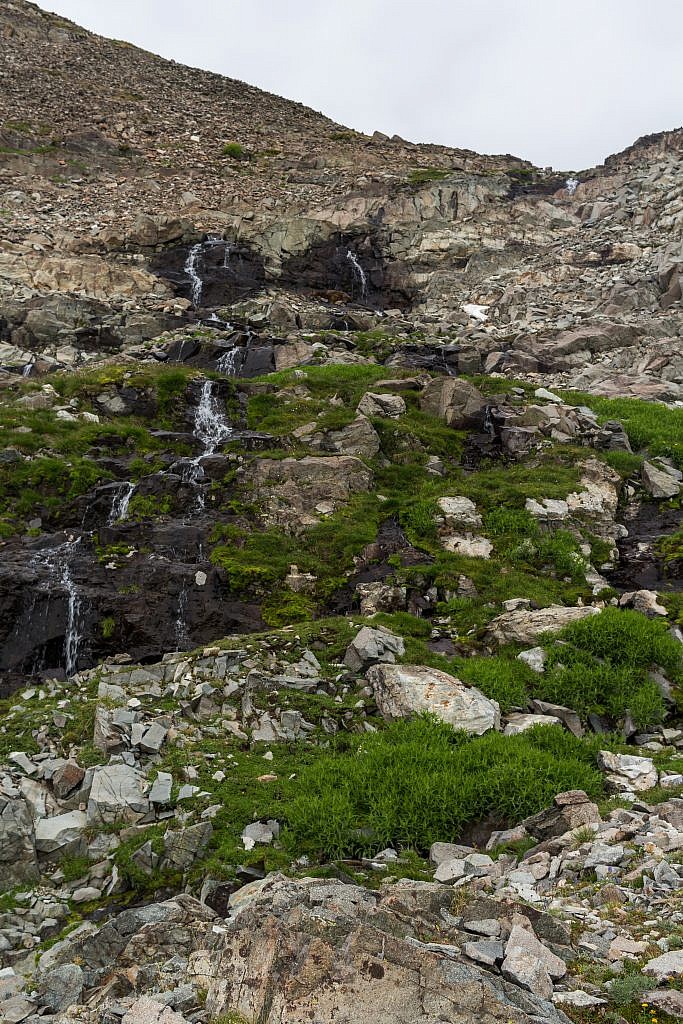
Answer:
x=340 y=562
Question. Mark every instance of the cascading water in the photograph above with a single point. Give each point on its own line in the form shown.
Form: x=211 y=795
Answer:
x=119 y=506
x=210 y=429
x=230 y=362
x=57 y=561
x=191 y=268
x=358 y=272
x=183 y=640
x=193 y=265
x=571 y=185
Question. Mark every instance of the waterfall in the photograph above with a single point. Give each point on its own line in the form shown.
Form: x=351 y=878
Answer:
x=57 y=562
x=358 y=272
x=230 y=362
x=571 y=185
x=488 y=421
x=210 y=424
x=28 y=367
x=73 y=638
x=191 y=269
x=210 y=428
x=183 y=640
x=119 y=506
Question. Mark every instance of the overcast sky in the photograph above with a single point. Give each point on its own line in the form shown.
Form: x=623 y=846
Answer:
x=559 y=83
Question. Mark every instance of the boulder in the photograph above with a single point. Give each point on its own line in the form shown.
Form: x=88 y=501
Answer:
x=404 y=690
x=628 y=773
x=659 y=483
x=665 y=967
x=390 y=406
x=61 y=834
x=570 y=810
x=60 y=988
x=182 y=848
x=458 y=511
x=117 y=795
x=368 y=939
x=522 y=627
x=455 y=401
x=530 y=964
x=517 y=723
x=146 y=1010
x=296 y=491
x=18 y=861
x=370 y=646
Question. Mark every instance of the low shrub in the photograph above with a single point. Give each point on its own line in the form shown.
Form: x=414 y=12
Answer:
x=419 y=781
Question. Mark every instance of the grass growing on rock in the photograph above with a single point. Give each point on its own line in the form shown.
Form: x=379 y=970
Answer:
x=418 y=782
x=649 y=425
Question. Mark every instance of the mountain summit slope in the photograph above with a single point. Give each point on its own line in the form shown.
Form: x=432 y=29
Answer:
x=341 y=562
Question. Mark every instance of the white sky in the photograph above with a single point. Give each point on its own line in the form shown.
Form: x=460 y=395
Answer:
x=559 y=83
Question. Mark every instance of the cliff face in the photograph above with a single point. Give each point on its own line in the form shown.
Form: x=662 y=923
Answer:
x=305 y=434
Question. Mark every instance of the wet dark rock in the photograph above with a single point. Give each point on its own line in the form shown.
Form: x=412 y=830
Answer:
x=230 y=271
x=352 y=266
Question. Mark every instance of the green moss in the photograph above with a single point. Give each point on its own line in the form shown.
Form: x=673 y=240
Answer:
x=421 y=175
x=234 y=150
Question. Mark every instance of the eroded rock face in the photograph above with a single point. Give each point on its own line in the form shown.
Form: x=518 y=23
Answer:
x=404 y=690
x=297 y=492
x=389 y=974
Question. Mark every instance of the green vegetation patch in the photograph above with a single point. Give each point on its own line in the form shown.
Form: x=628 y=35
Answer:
x=419 y=781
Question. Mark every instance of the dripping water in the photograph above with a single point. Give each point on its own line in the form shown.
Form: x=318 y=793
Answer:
x=182 y=634
x=57 y=562
x=358 y=272
x=119 y=506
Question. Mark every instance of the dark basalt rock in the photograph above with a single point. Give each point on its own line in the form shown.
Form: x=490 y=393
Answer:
x=352 y=266
x=229 y=271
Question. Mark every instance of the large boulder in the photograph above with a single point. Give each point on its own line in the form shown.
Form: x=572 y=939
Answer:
x=61 y=835
x=658 y=482
x=523 y=626
x=457 y=402
x=333 y=952
x=404 y=690
x=18 y=861
x=628 y=773
x=117 y=795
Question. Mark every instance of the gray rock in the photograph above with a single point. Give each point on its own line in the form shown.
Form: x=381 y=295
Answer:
x=18 y=861
x=60 y=988
x=528 y=963
x=523 y=627
x=117 y=795
x=404 y=690
x=570 y=810
x=665 y=967
x=535 y=658
x=450 y=871
x=391 y=406
x=182 y=848
x=628 y=773
x=61 y=834
x=370 y=646
x=486 y=951
x=658 y=483
x=160 y=793
x=517 y=723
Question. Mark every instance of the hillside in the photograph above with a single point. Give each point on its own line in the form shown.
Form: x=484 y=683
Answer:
x=341 y=600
